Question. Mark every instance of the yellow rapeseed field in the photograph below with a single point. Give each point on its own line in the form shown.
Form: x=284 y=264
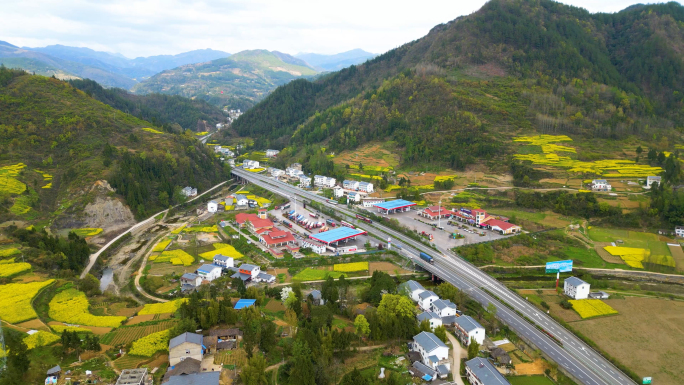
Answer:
x=160 y=308
x=176 y=257
x=588 y=308
x=178 y=230
x=152 y=130
x=63 y=328
x=631 y=255
x=11 y=269
x=151 y=344
x=8 y=252
x=15 y=300
x=9 y=184
x=161 y=245
x=223 y=249
x=349 y=267
x=41 y=338
x=71 y=306
x=200 y=229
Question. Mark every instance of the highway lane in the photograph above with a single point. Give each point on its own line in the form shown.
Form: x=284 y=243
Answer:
x=575 y=356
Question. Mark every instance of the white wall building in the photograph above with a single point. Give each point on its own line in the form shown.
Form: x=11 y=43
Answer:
x=276 y=172
x=467 y=329
x=433 y=318
x=481 y=372
x=575 y=288
x=369 y=202
x=443 y=307
x=431 y=349
x=366 y=187
x=600 y=185
x=426 y=298
x=412 y=289
x=212 y=206
x=209 y=272
x=189 y=192
x=652 y=179
x=338 y=192
x=250 y=164
x=350 y=184
x=223 y=261
x=323 y=181
x=304 y=181
x=316 y=247
x=293 y=172
x=679 y=231
x=241 y=200
x=353 y=197
x=271 y=153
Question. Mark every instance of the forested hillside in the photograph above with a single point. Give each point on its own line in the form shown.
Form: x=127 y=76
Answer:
x=238 y=81
x=156 y=108
x=57 y=142
x=511 y=67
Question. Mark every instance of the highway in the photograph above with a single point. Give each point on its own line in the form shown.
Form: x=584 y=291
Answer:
x=574 y=356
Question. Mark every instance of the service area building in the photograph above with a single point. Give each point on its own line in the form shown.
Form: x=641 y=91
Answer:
x=395 y=206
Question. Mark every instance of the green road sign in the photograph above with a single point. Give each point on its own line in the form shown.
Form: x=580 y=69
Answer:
x=647 y=380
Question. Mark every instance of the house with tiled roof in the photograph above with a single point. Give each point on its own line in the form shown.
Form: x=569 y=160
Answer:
x=434 y=353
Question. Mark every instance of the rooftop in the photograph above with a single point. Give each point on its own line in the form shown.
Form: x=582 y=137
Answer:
x=443 y=304
x=185 y=337
x=500 y=224
x=189 y=276
x=220 y=257
x=427 y=315
x=412 y=285
x=243 y=303
x=428 y=341
x=277 y=236
x=395 y=204
x=337 y=234
x=486 y=372
x=247 y=266
x=427 y=294
x=574 y=281
x=207 y=268
x=129 y=376
x=254 y=220
x=208 y=378
x=468 y=323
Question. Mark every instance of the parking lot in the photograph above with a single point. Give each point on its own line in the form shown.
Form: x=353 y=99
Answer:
x=442 y=238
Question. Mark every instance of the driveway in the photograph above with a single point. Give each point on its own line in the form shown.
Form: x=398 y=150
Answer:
x=456 y=353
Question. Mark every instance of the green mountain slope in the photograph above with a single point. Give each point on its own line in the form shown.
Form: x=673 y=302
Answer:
x=156 y=108
x=57 y=142
x=515 y=66
x=237 y=82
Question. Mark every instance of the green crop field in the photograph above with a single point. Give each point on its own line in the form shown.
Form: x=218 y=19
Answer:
x=659 y=252
x=588 y=257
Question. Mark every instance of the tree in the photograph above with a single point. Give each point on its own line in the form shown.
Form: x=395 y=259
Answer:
x=394 y=305
x=302 y=372
x=255 y=371
x=639 y=150
x=491 y=312
x=291 y=319
x=362 y=326
x=268 y=336
x=253 y=292
x=473 y=349
x=239 y=285
x=354 y=378
x=424 y=326
x=18 y=361
x=329 y=291
x=89 y=285
x=441 y=333
x=185 y=325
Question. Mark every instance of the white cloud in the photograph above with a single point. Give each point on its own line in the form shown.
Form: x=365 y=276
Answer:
x=153 y=27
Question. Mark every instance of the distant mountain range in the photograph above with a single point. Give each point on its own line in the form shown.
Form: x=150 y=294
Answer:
x=238 y=81
x=222 y=79
x=335 y=62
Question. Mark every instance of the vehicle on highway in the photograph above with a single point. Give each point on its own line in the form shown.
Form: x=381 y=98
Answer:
x=361 y=217
x=343 y=223
x=426 y=258
x=331 y=201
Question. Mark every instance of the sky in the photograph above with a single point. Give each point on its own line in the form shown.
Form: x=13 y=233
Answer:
x=154 y=27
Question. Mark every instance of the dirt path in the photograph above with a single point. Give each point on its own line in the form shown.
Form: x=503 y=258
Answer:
x=456 y=353
x=137 y=279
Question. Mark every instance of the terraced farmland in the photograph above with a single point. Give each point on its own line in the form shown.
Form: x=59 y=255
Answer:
x=123 y=336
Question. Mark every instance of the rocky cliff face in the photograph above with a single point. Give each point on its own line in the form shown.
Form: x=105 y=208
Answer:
x=101 y=210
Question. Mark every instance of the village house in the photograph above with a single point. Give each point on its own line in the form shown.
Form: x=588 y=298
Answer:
x=276 y=172
x=272 y=153
x=467 y=330
x=679 y=231
x=600 y=185
x=426 y=298
x=366 y=187
x=253 y=222
x=500 y=356
x=502 y=227
x=212 y=206
x=184 y=346
x=276 y=238
x=316 y=247
x=209 y=272
x=576 y=288
x=304 y=181
x=323 y=181
x=338 y=192
x=353 y=196
x=350 y=184
x=223 y=261
x=294 y=172
x=369 y=202
x=412 y=289
x=241 y=200
x=444 y=307
x=132 y=377
x=434 y=353
x=433 y=318
x=183 y=368
x=204 y=378
x=652 y=179
x=250 y=164
x=189 y=192
x=317 y=297
x=480 y=371
x=191 y=279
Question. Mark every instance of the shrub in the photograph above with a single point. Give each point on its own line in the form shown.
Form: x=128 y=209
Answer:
x=565 y=304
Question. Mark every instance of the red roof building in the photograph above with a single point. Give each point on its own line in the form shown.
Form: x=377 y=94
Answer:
x=435 y=212
x=255 y=223
x=501 y=226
